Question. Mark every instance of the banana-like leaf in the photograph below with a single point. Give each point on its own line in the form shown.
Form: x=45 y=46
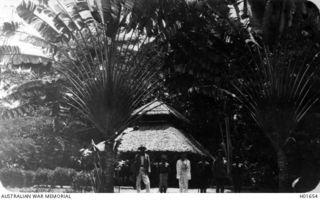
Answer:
x=27 y=90
x=20 y=111
x=105 y=63
x=108 y=76
x=21 y=54
x=30 y=12
x=30 y=94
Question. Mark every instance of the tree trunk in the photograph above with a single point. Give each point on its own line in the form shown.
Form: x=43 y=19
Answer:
x=106 y=184
x=283 y=175
x=282 y=161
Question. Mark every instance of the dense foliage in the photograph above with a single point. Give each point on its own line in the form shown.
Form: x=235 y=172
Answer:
x=230 y=75
x=17 y=177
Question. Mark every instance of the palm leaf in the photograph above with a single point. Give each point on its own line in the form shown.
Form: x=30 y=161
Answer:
x=283 y=94
x=107 y=85
x=108 y=95
x=16 y=55
x=20 y=111
x=27 y=90
x=27 y=11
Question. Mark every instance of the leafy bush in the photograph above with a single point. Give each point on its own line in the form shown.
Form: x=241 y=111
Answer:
x=28 y=177
x=82 y=181
x=15 y=177
x=41 y=176
x=12 y=177
x=61 y=176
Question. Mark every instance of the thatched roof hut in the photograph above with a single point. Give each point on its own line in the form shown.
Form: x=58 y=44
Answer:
x=160 y=138
x=158 y=108
x=160 y=131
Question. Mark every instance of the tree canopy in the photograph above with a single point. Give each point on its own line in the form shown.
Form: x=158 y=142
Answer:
x=237 y=69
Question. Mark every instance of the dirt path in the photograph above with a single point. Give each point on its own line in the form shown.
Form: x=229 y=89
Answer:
x=156 y=190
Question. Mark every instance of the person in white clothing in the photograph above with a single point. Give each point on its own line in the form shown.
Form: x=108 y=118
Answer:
x=183 y=173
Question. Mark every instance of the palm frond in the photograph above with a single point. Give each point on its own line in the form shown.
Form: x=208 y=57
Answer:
x=20 y=54
x=27 y=11
x=20 y=111
x=107 y=73
x=20 y=100
x=27 y=90
x=116 y=86
x=283 y=93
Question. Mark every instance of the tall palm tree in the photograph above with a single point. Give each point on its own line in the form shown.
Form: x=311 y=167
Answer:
x=100 y=54
x=67 y=34
x=278 y=92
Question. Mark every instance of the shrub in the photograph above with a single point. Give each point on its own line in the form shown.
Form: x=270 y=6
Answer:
x=82 y=181
x=62 y=176
x=12 y=177
x=28 y=177
x=41 y=176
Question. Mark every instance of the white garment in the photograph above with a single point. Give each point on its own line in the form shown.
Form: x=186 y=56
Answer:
x=144 y=177
x=184 y=169
x=183 y=184
x=183 y=174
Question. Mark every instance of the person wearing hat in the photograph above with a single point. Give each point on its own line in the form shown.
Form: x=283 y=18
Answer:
x=203 y=172
x=219 y=171
x=183 y=173
x=142 y=169
x=164 y=169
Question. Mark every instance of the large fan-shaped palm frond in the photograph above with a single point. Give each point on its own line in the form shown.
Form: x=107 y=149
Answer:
x=280 y=96
x=103 y=49
x=102 y=60
x=278 y=93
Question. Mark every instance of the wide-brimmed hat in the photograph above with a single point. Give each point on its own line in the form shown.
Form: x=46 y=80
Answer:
x=142 y=148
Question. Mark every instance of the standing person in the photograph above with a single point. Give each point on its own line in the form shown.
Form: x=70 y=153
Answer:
x=219 y=171
x=142 y=169
x=126 y=172
x=183 y=173
x=163 y=174
x=237 y=174
x=203 y=168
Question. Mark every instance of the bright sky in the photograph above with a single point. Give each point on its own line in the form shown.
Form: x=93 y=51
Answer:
x=7 y=8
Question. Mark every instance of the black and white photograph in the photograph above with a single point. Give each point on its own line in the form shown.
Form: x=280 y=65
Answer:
x=159 y=96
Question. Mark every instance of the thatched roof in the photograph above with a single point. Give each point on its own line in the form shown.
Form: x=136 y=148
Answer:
x=158 y=139
x=158 y=108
